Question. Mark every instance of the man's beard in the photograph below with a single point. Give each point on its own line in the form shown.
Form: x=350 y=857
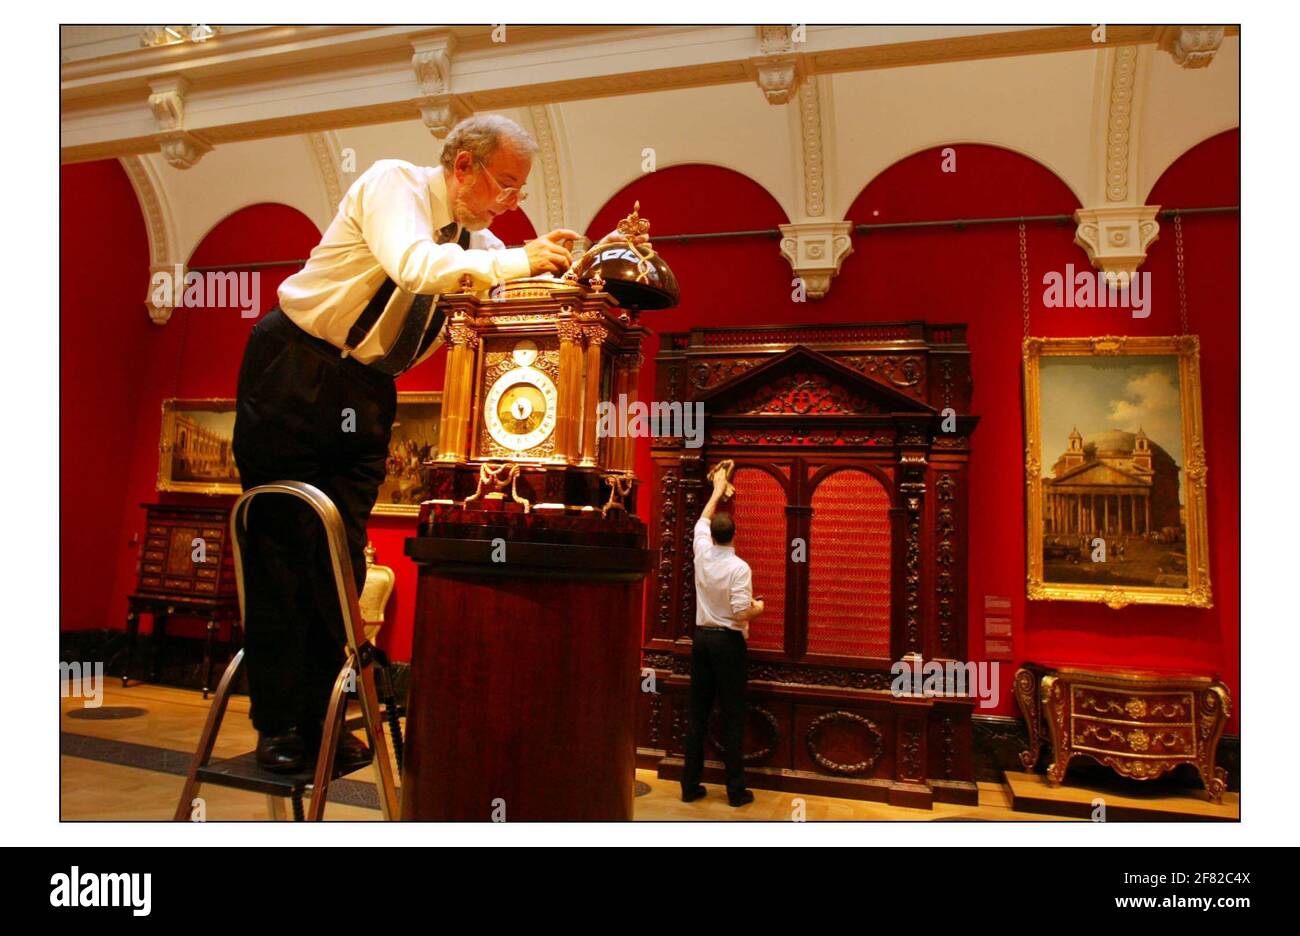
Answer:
x=466 y=217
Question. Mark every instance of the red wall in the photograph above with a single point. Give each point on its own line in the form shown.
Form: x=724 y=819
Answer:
x=969 y=276
x=104 y=270
x=972 y=276
x=117 y=367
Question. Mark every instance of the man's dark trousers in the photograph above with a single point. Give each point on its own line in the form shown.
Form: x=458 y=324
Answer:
x=717 y=670
x=303 y=413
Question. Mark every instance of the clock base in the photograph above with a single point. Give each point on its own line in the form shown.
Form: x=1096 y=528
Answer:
x=575 y=487
x=524 y=669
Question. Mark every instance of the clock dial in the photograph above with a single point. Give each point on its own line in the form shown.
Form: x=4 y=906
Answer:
x=520 y=409
x=524 y=353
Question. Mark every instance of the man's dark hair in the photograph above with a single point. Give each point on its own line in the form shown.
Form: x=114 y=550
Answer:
x=723 y=529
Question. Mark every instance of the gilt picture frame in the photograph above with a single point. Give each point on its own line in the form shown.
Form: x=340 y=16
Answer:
x=1115 y=471
x=414 y=440
x=194 y=447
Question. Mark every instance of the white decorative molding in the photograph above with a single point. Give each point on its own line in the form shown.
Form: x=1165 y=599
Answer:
x=810 y=135
x=815 y=250
x=779 y=77
x=179 y=147
x=167 y=101
x=158 y=223
x=544 y=134
x=328 y=160
x=439 y=108
x=153 y=206
x=441 y=114
x=1119 y=122
x=432 y=63
x=1192 y=46
x=265 y=81
x=1116 y=237
x=778 y=70
x=776 y=40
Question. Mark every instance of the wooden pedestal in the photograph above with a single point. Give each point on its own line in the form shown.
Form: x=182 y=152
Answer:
x=524 y=666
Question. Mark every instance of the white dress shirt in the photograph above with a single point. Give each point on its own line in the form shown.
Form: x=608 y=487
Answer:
x=387 y=225
x=723 y=586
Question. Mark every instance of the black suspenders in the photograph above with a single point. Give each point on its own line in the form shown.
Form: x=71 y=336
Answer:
x=369 y=316
x=397 y=363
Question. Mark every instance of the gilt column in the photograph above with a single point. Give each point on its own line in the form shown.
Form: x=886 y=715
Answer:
x=569 y=405
x=452 y=444
x=595 y=335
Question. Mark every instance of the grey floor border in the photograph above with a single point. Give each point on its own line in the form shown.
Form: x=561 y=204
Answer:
x=177 y=763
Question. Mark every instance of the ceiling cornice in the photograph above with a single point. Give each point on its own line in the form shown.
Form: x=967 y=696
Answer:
x=265 y=81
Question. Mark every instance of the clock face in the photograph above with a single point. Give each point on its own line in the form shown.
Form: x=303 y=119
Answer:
x=520 y=408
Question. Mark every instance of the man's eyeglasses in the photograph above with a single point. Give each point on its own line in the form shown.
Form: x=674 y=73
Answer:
x=506 y=197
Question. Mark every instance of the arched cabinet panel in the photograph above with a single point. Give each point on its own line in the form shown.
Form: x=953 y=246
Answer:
x=849 y=567
x=760 y=517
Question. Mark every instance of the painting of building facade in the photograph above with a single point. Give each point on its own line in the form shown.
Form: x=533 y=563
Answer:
x=1115 y=470
x=194 y=448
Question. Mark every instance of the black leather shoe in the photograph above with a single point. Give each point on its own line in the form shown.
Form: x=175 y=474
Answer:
x=349 y=754
x=283 y=752
x=691 y=795
x=743 y=798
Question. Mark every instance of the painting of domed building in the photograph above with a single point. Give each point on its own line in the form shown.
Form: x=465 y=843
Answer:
x=1113 y=483
x=1111 y=496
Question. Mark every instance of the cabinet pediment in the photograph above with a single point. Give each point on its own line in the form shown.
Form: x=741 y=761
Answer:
x=803 y=382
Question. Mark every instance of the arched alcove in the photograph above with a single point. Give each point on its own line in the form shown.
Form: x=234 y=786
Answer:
x=103 y=336
x=726 y=281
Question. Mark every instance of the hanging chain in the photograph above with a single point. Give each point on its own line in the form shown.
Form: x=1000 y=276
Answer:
x=1182 y=274
x=1024 y=278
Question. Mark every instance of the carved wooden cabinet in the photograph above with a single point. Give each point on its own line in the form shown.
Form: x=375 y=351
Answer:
x=851 y=445
x=178 y=577
x=1140 y=723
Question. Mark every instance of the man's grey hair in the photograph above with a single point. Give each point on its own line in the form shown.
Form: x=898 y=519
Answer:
x=481 y=135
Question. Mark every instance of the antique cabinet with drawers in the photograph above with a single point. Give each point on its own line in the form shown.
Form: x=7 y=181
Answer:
x=1140 y=723
x=181 y=576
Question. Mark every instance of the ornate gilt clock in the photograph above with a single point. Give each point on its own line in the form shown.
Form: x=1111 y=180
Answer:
x=528 y=366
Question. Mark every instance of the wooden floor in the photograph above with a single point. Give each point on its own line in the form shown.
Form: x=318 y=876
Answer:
x=98 y=781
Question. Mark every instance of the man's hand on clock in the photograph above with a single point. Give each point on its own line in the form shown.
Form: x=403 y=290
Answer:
x=548 y=254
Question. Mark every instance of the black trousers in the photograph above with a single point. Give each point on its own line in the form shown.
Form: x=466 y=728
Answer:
x=303 y=413
x=717 y=670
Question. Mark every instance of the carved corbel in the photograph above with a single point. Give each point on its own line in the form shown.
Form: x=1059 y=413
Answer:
x=1191 y=46
x=815 y=250
x=778 y=70
x=179 y=147
x=439 y=108
x=166 y=291
x=1116 y=237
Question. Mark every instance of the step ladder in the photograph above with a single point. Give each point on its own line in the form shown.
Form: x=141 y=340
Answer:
x=363 y=665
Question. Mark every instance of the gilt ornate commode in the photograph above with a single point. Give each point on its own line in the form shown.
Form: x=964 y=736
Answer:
x=1142 y=724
